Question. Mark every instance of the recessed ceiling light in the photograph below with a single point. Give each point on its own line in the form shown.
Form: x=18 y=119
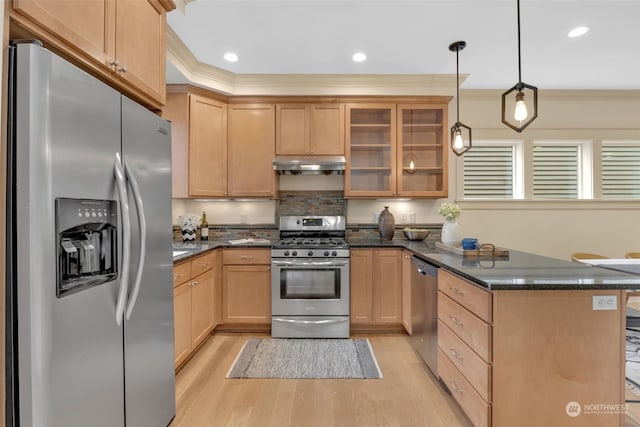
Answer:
x=231 y=57
x=578 y=31
x=359 y=57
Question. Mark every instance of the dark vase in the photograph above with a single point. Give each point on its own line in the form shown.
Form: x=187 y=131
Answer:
x=386 y=224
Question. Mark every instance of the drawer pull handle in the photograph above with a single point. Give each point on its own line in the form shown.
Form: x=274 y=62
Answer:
x=246 y=257
x=455 y=354
x=455 y=320
x=177 y=276
x=195 y=283
x=455 y=387
x=204 y=264
x=456 y=291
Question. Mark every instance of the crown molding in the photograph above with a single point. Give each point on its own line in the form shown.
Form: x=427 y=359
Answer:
x=228 y=83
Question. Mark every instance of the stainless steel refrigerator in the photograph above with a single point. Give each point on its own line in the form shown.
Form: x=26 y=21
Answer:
x=89 y=282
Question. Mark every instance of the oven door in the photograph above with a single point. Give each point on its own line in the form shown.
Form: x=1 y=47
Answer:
x=310 y=287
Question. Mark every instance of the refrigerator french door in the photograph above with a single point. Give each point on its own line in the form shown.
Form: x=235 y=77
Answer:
x=89 y=283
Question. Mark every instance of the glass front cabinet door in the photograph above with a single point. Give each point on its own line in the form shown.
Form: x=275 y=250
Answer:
x=371 y=150
x=422 y=150
x=396 y=150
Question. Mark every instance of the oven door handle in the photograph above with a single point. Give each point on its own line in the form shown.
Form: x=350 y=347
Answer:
x=310 y=322
x=277 y=263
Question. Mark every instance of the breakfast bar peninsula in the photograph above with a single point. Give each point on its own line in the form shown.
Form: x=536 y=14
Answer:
x=527 y=340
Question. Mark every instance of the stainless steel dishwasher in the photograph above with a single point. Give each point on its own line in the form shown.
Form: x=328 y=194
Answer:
x=424 y=312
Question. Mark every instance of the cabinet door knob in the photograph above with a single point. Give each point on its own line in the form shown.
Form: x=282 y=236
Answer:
x=113 y=63
x=122 y=69
x=195 y=283
x=205 y=264
x=455 y=387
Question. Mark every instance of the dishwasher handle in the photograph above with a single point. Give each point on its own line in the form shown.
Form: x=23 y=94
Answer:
x=423 y=267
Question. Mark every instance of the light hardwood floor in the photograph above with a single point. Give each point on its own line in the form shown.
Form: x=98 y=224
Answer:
x=408 y=395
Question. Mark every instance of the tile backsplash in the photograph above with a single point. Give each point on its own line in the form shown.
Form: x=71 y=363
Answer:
x=311 y=203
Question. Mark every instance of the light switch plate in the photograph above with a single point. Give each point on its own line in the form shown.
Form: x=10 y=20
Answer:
x=605 y=302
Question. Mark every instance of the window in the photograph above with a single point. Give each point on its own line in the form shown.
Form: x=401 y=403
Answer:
x=620 y=170
x=545 y=169
x=555 y=171
x=489 y=172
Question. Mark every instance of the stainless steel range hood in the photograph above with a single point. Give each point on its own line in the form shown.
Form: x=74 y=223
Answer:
x=309 y=165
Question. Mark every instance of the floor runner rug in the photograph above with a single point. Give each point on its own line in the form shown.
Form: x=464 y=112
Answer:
x=305 y=358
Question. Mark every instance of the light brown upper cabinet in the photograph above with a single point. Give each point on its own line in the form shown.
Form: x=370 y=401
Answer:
x=371 y=150
x=422 y=150
x=251 y=149
x=121 y=39
x=139 y=57
x=198 y=145
x=310 y=129
x=396 y=150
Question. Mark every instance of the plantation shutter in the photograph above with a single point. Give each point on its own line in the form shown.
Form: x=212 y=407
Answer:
x=488 y=172
x=620 y=171
x=555 y=172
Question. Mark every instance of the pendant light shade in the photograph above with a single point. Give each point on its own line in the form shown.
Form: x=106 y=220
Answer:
x=460 y=133
x=520 y=103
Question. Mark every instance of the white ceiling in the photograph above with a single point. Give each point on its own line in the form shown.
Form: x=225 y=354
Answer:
x=412 y=37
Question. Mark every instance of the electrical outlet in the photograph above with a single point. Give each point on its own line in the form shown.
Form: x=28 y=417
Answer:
x=404 y=218
x=376 y=216
x=605 y=302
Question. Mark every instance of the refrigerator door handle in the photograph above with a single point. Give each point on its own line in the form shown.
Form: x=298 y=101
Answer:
x=143 y=237
x=126 y=239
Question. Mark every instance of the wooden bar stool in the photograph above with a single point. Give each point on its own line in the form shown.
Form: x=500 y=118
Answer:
x=632 y=255
x=579 y=256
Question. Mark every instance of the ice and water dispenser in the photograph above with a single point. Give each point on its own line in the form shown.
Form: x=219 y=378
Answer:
x=87 y=242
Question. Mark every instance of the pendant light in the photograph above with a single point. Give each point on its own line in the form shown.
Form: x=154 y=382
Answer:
x=521 y=111
x=410 y=160
x=460 y=133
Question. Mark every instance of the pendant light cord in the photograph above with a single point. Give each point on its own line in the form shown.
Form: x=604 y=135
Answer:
x=519 y=61
x=457 y=85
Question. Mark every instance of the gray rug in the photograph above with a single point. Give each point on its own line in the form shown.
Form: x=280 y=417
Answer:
x=305 y=358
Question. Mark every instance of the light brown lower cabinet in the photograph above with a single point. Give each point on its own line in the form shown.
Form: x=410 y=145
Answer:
x=525 y=357
x=376 y=286
x=246 y=289
x=406 y=292
x=194 y=304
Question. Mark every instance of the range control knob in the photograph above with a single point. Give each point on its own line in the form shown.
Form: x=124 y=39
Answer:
x=286 y=253
x=334 y=253
x=326 y=253
x=310 y=253
x=294 y=253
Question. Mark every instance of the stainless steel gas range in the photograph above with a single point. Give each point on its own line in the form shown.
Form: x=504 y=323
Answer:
x=310 y=278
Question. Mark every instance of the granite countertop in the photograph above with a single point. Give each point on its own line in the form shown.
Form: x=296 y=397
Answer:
x=521 y=270
x=189 y=250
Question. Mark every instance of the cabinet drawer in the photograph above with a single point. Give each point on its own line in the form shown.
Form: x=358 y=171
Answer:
x=476 y=300
x=203 y=263
x=246 y=256
x=181 y=273
x=475 y=370
x=471 y=329
x=478 y=411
